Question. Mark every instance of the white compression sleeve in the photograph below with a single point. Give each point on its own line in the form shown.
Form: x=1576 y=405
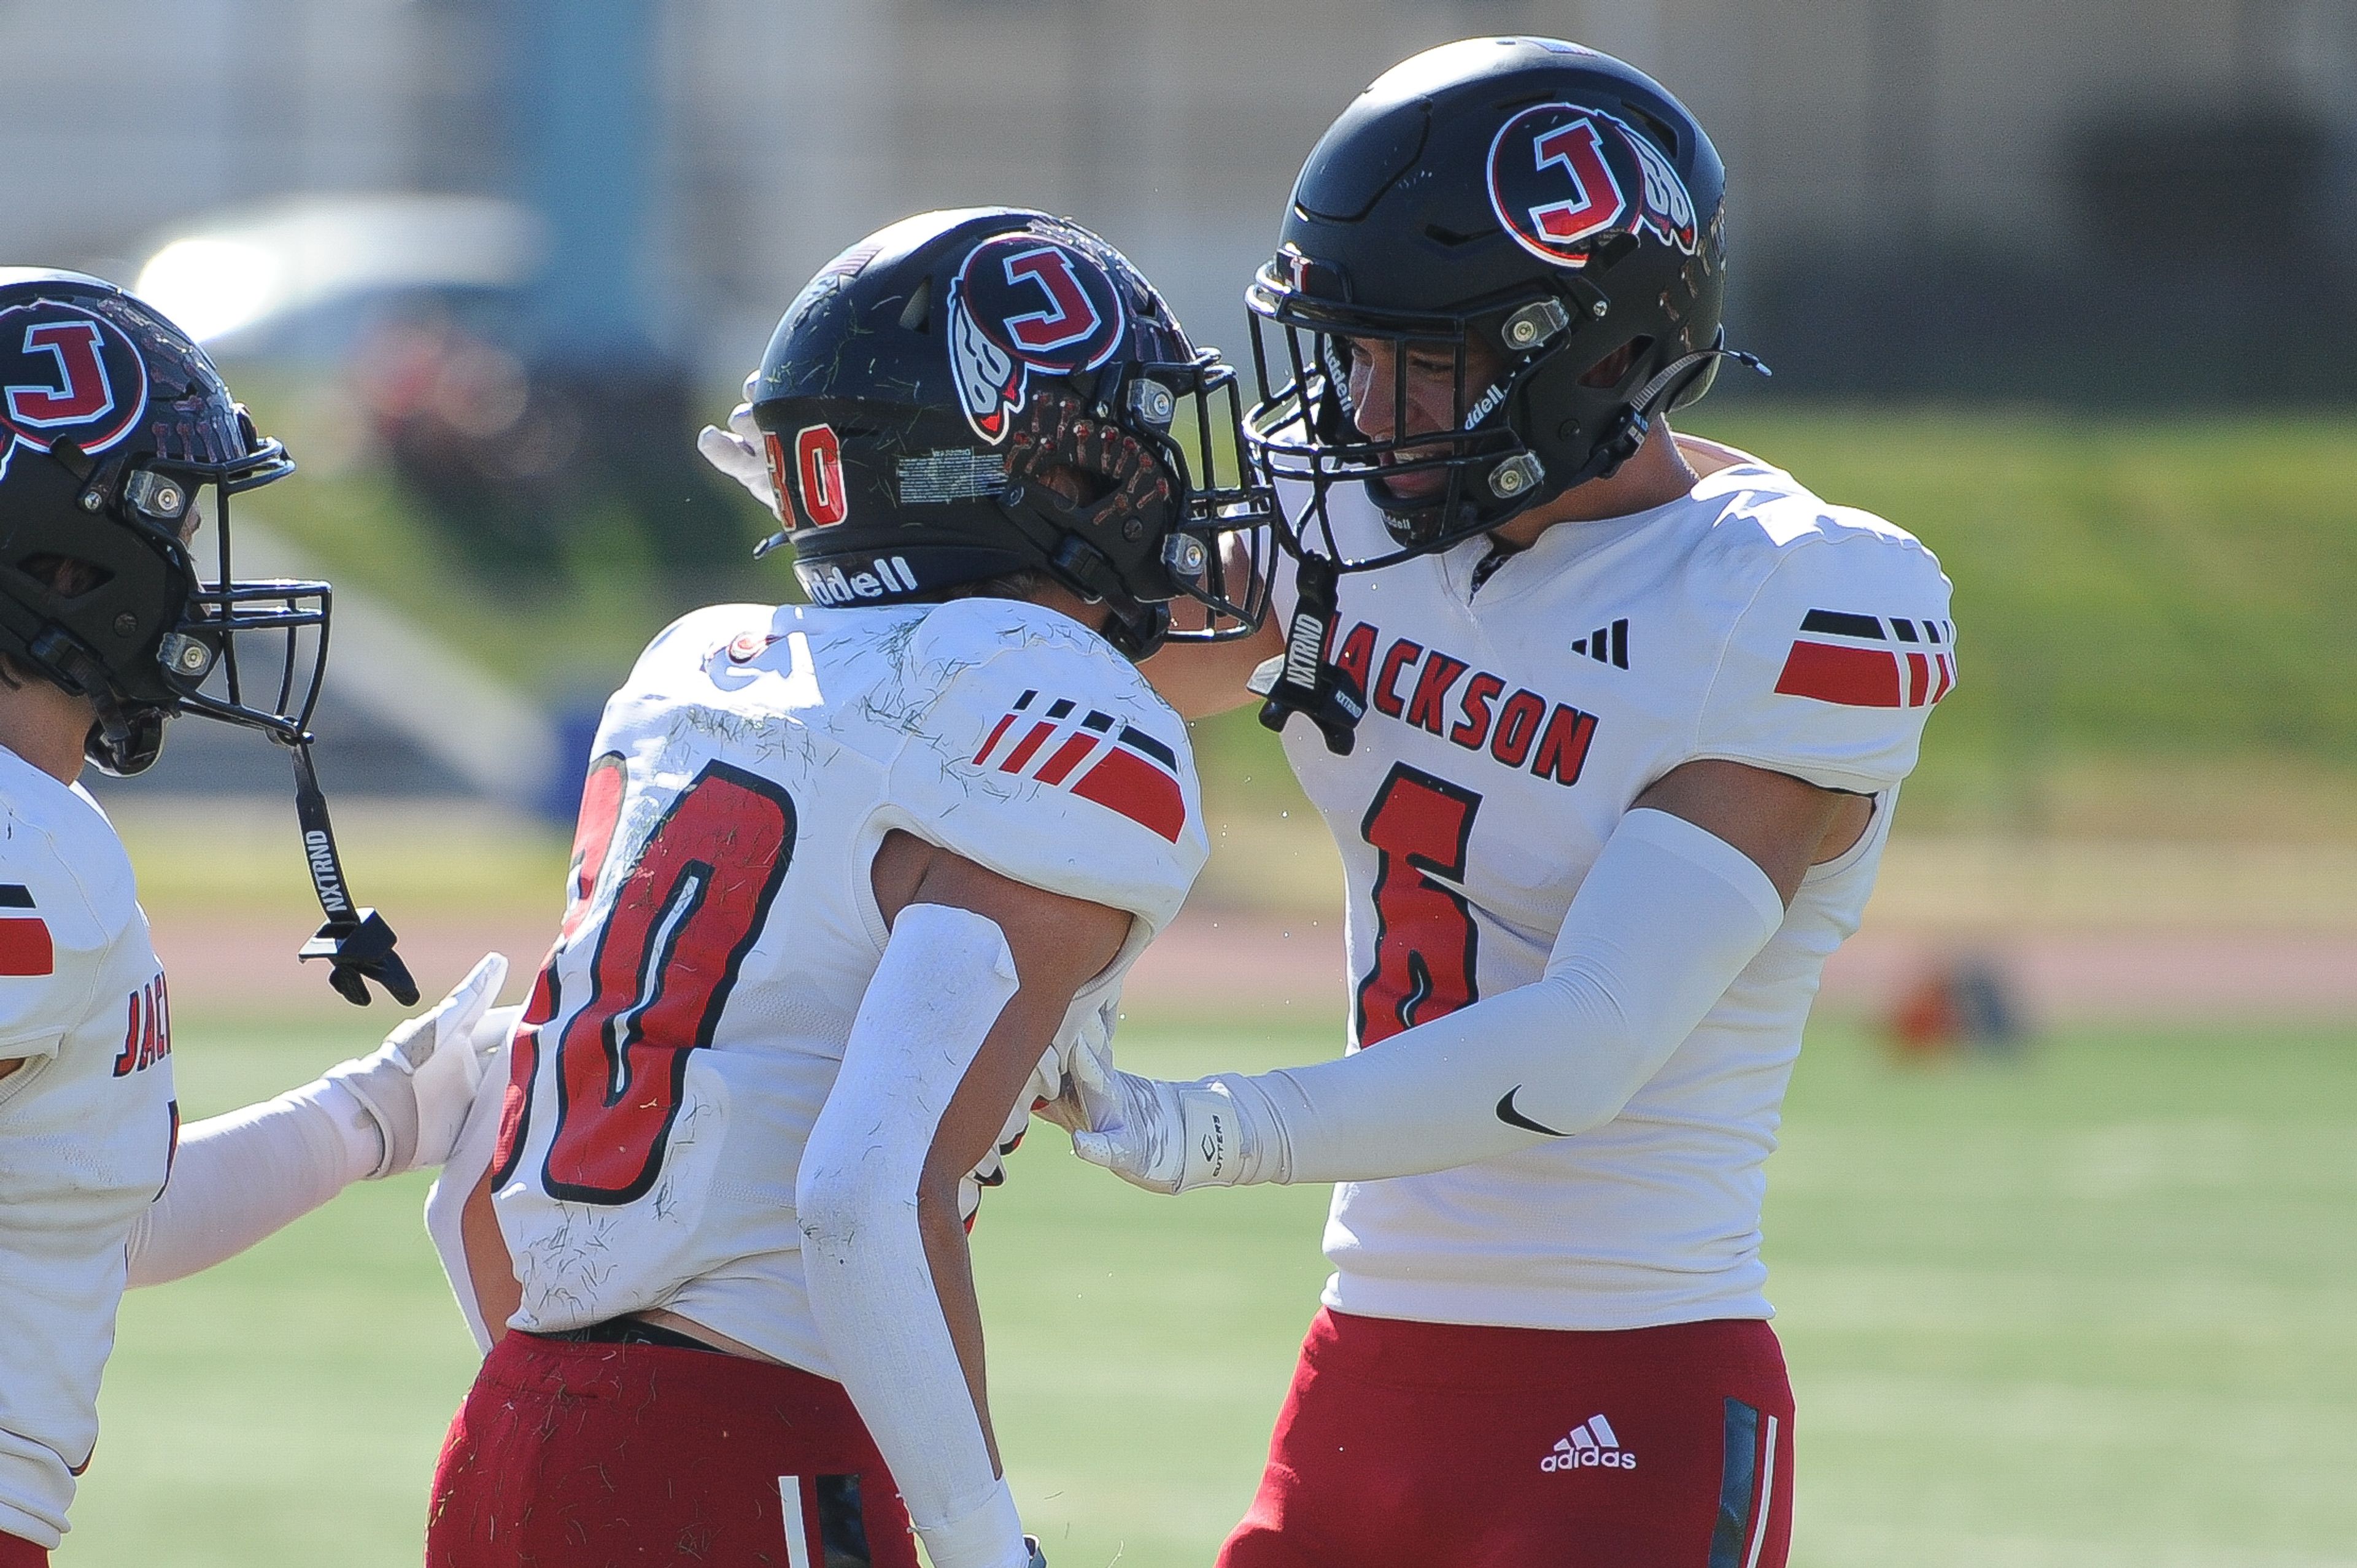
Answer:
x=945 y=976
x=1669 y=915
x=239 y=1178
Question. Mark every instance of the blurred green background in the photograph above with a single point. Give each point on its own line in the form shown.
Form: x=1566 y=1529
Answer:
x=2156 y=613
x=2068 y=292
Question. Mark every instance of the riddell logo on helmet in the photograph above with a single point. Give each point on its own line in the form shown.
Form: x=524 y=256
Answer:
x=832 y=585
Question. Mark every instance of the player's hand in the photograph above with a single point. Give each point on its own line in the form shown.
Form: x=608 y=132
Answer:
x=1169 y=1137
x=737 y=453
x=418 y=1085
x=1090 y=1057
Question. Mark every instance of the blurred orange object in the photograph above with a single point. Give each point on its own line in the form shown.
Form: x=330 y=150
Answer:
x=1957 y=1003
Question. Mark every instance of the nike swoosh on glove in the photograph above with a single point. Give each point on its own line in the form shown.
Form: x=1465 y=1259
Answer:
x=737 y=451
x=418 y=1085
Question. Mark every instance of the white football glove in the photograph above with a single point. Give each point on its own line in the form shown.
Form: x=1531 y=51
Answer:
x=737 y=451
x=418 y=1085
x=1090 y=1056
x=1172 y=1137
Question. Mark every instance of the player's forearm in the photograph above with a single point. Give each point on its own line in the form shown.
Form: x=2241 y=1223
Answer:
x=951 y=1260
x=877 y=1297
x=1668 y=918
x=239 y=1177
x=945 y=976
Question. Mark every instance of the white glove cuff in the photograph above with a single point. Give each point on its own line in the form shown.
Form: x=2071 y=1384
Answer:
x=388 y=1108
x=1234 y=1135
x=361 y=1128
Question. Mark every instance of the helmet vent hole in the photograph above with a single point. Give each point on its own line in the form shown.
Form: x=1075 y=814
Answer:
x=1610 y=250
x=1448 y=237
x=1664 y=134
x=1613 y=369
x=64 y=576
x=913 y=315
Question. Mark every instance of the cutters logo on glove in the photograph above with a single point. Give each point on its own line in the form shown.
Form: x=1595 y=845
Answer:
x=1561 y=176
x=1021 y=303
x=66 y=373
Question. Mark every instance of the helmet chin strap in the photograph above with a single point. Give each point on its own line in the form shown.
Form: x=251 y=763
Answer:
x=1137 y=638
x=357 y=943
x=124 y=741
x=1646 y=407
x=1302 y=682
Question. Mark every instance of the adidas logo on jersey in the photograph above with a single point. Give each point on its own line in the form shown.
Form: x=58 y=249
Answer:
x=1606 y=644
x=1591 y=1445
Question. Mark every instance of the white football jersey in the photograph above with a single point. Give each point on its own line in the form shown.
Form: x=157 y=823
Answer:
x=689 y=1025
x=1509 y=728
x=88 y=1124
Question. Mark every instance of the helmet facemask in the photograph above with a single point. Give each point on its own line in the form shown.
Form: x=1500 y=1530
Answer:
x=1543 y=355
x=1150 y=459
x=1308 y=426
x=248 y=652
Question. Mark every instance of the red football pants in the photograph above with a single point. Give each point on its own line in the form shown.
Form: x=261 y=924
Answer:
x=574 y=1455
x=15 y=1551
x=1439 y=1445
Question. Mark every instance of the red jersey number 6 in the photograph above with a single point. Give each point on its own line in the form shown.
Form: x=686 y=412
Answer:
x=1425 y=943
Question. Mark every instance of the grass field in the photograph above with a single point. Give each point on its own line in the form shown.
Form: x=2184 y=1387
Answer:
x=2091 y=1308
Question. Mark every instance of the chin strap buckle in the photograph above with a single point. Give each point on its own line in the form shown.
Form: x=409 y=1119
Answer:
x=1302 y=682
x=357 y=943
x=358 y=948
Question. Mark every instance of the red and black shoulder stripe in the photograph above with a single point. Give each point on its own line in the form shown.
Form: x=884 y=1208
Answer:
x=1859 y=660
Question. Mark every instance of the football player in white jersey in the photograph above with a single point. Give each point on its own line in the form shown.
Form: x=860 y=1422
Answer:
x=852 y=878
x=112 y=426
x=1610 y=745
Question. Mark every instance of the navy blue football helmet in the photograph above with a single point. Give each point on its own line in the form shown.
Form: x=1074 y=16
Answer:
x=113 y=426
x=968 y=394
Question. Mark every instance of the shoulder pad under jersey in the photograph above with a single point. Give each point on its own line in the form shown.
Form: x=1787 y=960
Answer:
x=66 y=899
x=1840 y=648
x=1047 y=757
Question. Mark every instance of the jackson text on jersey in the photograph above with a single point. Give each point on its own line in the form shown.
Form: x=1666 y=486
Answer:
x=1413 y=684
